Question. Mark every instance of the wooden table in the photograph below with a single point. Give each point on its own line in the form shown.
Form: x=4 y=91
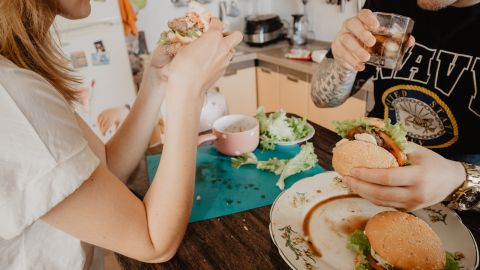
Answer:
x=240 y=241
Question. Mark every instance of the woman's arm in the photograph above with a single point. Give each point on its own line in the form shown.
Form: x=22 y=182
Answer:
x=129 y=143
x=105 y=213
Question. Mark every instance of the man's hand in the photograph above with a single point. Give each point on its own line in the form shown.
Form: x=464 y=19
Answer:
x=348 y=48
x=427 y=181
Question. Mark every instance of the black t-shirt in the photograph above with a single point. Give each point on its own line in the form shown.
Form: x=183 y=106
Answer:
x=436 y=93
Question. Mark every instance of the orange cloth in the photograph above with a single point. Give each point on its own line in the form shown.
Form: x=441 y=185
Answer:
x=129 y=17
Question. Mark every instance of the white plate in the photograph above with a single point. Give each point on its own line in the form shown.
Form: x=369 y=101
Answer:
x=286 y=219
x=304 y=139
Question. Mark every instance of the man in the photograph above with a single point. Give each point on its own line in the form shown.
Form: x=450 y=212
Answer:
x=436 y=93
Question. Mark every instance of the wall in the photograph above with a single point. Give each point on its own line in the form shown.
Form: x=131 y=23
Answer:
x=326 y=19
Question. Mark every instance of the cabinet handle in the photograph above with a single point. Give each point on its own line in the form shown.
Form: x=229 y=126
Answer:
x=230 y=73
x=266 y=70
x=293 y=79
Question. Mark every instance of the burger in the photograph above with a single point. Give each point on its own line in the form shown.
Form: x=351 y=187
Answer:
x=369 y=143
x=398 y=240
x=186 y=29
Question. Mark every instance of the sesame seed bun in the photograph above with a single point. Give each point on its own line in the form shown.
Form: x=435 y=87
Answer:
x=360 y=154
x=405 y=241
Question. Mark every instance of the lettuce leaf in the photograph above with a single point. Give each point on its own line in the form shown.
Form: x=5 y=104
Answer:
x=273 y=165
x=358 y=243
x=303 y=161
x=278 y=127
x=451 y=263
x=396 y=131
x=248 y=158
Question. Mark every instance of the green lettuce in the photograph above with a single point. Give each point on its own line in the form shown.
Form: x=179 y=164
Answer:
x=278 y=127
x=248 y=158
x=303 y=161
x=273 y=165
x=451 y=263
x=396 y=131
x=358 y=243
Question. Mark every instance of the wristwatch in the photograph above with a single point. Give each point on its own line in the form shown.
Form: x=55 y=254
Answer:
x=467 y=197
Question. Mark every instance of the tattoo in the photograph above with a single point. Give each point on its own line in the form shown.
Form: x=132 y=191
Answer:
x=332 y=84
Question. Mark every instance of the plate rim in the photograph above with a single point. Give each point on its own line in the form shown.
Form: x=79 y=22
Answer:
x=310 y=135
x=290 y=264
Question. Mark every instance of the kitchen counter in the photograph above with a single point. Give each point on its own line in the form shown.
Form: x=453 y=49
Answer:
x=275 y=54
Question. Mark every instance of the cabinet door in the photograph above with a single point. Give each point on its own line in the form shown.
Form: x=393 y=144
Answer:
x=267 y=89
x=239 y=89
x=293 y=94
x=354 y=107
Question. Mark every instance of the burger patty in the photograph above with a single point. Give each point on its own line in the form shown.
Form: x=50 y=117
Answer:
x=383 y=140
x=359 y=130
x=178 y=24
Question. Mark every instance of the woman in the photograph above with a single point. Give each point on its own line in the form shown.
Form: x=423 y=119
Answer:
x=59 y=185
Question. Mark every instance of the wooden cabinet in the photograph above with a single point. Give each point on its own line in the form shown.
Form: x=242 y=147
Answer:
x=240 y=90
x=267 y=88
x=293 y=94
x=354 y=107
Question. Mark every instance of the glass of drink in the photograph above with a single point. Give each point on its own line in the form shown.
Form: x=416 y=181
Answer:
x=392 y=36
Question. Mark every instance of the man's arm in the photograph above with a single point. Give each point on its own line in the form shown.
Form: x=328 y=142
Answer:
x=332 y=84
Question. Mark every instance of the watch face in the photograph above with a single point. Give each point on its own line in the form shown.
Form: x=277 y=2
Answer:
x=469 y=199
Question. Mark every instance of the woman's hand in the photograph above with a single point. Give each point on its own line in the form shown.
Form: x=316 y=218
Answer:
x=428 y=180
x=348 y=48
x=200 y=64
x=111 y=117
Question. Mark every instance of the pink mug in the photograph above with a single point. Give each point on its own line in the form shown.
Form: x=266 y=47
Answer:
x=234 y=135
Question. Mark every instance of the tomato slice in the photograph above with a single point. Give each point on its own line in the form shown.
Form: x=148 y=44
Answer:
x=393 y=148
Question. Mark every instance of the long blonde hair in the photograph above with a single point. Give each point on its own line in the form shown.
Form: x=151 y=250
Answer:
x=25 y=40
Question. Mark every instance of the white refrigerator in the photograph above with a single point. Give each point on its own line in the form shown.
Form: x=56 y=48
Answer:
x=98 y=53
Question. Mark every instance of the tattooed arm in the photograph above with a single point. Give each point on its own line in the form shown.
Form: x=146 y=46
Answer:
x=332 y=84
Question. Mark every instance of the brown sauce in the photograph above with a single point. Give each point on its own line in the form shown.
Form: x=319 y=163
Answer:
x=347 y=225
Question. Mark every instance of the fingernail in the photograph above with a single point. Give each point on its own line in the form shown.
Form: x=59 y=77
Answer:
x=346 y=180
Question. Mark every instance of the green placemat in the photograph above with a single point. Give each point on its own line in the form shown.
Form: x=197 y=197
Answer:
x=221 y=189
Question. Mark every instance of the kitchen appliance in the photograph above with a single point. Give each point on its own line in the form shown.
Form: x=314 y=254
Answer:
x=98 y=53
x=299 y=31
x=263 y=29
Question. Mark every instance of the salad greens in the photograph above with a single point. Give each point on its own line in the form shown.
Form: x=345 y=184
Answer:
x=396 y=131
x=358 y=243
x=303 y=161
x=277 y=127
x=451 y=263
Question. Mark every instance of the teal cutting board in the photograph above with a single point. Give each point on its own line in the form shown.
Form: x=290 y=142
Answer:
x=221 y=189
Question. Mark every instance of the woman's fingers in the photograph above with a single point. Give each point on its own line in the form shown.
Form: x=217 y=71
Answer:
x=233 y=39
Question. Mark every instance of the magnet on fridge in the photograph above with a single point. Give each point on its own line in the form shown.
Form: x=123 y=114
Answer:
x=101 y=56
x=78 y=59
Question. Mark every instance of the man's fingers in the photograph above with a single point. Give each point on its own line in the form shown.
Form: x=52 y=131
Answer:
x=358 y=29
x=367 y=17
x=352 y=45
x=393 y=177
x=350 y=60
x=381 y=195
x=233 y=39
x=410 y=42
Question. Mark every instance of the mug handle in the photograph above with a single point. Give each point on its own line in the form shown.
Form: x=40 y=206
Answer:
x=207 y=138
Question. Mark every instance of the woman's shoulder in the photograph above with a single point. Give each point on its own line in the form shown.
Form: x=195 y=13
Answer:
x=20 y=82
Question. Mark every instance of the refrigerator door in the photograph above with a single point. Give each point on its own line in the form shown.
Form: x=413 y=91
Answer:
x=99 y=56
